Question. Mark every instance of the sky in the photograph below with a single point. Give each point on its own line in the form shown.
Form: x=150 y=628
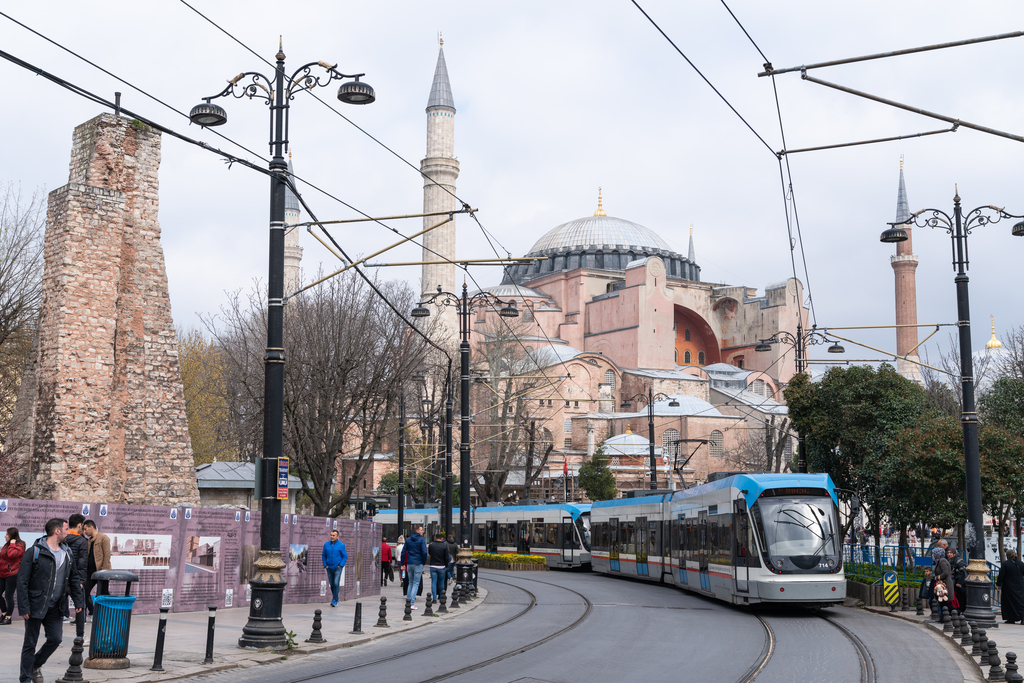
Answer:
x=553 y=101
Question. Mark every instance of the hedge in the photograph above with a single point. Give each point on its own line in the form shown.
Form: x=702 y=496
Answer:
x=510 y=558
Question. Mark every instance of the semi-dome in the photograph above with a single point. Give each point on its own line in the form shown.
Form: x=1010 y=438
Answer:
x=600 y=242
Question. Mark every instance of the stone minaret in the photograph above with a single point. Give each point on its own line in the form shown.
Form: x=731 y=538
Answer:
x=102 y=409
x=292 y=250
x=904 y=264
x=440 y=169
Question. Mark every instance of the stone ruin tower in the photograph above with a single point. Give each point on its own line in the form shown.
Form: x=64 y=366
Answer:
x=101 y=412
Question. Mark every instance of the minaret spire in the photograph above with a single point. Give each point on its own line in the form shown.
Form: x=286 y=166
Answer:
x=904 y=265
x=292 y=250
x=440 y=170
x=690 y=254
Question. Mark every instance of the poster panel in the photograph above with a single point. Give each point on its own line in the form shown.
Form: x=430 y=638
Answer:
x=307 y=580
x=208 y=564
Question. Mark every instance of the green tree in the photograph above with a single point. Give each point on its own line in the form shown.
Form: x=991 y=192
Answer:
x=596 y=479
x=1002 y=474
x=1003 y=404
x=848 y=420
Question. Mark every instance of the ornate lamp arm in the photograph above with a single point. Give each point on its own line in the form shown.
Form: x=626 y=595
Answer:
x=250 y=90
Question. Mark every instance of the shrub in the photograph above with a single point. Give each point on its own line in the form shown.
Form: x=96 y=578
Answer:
x=511 y=559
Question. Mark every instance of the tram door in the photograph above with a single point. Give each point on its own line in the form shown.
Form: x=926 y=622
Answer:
x=703 y=549
x=613 y=554
x=741 y=550
x=491 y=537
x=642 y=531
x=568 y=540
x=679 y=550
x=523 y=537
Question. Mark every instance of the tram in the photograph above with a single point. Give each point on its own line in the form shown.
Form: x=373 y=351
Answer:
x=559 y=533
x=744 y=539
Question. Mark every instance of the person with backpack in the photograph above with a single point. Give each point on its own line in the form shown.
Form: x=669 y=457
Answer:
x=48 y=572
x=79 y=545
x=10 y=563
x=439 y=558
x=415 y=556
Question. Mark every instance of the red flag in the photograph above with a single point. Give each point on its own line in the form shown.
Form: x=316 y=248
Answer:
x=565 y=467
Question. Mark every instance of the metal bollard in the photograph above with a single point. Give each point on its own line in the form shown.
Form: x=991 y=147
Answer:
x=975 y=640
x=161 y=632
x=317 y=635
x=427 y=612
x=1011 y=667
x=74 y=672
x=967 y=639
x=209 y=635
x=408 y=610
x=456 y=589
x=933 y=606
x=920 y=608
x=442 y=609
x=357 y=625
x=954 y=618
x=984 y=648
x=995 y=672
x=947 y=620
x=382 y=615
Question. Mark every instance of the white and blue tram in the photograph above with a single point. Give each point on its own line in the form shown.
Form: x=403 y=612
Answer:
x=559 y=533
x=744 y=539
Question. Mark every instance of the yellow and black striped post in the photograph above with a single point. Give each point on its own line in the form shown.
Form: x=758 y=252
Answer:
x=891 y=590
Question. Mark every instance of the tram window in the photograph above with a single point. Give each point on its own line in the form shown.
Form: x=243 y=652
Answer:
x=630 y=538
x=538 y=535
x=652 y=537
x=613 y=534
x=551 y=535
x=725 y=538
x=481 y=535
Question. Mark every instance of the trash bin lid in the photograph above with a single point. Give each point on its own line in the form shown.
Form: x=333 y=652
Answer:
x=115 y=601
x=114 y=575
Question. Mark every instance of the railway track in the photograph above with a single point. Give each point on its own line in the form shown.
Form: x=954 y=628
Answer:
x=461 y=637
x=766 y=653
x=867 y=665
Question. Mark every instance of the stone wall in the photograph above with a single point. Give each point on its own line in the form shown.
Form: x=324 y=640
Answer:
x=105 y=407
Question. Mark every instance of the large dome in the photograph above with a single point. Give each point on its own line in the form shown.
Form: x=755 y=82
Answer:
x=599 y=231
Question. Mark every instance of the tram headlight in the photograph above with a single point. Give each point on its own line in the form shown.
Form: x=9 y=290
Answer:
x=778 y=563
x=831 y=563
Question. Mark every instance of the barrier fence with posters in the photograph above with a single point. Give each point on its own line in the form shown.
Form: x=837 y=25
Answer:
x=191 y=558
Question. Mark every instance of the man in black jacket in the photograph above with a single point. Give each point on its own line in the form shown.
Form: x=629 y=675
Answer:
x=79 y=545
x=439 y=558
x=48 y=572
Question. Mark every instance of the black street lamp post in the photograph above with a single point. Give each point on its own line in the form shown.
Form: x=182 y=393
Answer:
x=463 y=305
x=265 y=629
x=799 y=342
x=958 y=227
x=649 y=399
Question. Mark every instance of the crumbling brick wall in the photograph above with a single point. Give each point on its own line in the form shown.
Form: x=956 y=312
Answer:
x=105 y=406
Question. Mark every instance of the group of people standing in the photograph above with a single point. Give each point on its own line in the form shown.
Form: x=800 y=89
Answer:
x=413 y=557
x=57 y=567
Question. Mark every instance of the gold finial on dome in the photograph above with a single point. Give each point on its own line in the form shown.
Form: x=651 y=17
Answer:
x=628 y=430
x=440 y=39
x=901 y=162
x=994 y=343
x=600 y=209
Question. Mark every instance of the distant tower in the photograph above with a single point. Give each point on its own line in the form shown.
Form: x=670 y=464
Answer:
x=904 y=264
x=292 y=250
x=440 y=169
x=994 y=345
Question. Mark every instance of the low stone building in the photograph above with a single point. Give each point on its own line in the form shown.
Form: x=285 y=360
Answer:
x=233 y=484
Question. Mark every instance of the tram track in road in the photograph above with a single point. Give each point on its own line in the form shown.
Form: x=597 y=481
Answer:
x=766 y=653
x=511 y=653
x=867 y=665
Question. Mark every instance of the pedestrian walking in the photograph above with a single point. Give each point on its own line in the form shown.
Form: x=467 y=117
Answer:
x=439 y=560
x=959 y=570
x=925 y=593
x=79 y=545
x=453 y=549
x=1011 y=582
x=335 y=558
x=386 y=571
x=48 y=572
x=943 y=578
x=10 y=562
x=99 y=560
x=415 y=557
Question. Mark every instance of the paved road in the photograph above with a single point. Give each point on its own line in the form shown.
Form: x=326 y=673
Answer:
x=622 y=631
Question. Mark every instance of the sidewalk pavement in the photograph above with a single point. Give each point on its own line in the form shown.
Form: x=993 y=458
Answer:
x=1008 y=637
x=185 y=640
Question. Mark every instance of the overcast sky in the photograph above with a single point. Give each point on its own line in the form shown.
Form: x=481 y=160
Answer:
x=554 y=100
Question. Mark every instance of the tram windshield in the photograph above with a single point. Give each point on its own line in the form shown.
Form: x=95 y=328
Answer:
x=583 y=529
x=802 y=529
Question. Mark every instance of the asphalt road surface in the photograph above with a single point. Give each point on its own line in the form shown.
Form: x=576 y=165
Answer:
x=557 y=627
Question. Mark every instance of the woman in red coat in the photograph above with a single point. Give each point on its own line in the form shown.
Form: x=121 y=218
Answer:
x=386 y=572
x=10 y=563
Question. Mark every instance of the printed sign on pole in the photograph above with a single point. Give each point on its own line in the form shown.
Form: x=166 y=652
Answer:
x=282 y=478
x=891 y=589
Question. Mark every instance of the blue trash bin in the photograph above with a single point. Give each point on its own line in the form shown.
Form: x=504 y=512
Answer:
x=111 y=626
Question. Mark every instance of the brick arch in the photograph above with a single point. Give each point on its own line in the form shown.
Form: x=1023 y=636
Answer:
x=702 y=337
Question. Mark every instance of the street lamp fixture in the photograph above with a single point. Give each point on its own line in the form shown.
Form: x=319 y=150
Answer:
x=649 y=398
x=836 y=348
x=958 y=227
x=356 y=92
x=265 y=630
x=463 y=307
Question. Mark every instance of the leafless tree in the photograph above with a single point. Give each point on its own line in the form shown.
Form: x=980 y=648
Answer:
x=1010 y=361
x=943 y=388
x=765 y=448
x=22 y=228
x=535 y=460
x=347 y=359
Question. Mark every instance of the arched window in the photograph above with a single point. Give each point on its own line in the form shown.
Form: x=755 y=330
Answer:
x=686 y=358
x=686 y=334
x=670 y=443
x=528 y=315
x=609 y=378
x=758 y=387
x=677 y=355
x=700 y=358
x=715 y=444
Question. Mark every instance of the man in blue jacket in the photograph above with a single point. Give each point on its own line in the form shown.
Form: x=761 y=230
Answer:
x=335 y=558
x=415 y=556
